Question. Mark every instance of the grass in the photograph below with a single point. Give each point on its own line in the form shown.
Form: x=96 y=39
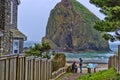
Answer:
x=109 y=74
x=85 y=12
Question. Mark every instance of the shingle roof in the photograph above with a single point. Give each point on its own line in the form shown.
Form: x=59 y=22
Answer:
x=18 y=34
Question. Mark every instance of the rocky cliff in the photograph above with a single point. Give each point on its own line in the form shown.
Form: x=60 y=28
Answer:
x=70 y=28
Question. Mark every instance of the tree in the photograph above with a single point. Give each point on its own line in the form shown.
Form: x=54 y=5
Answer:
x=111 y=23
x=45 y=48
x=34 y=51
x=38 y=49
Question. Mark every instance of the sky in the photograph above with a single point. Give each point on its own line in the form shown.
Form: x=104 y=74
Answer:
x=33 y=16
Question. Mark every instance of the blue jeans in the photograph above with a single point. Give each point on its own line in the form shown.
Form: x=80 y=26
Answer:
x=75 y=70
x=80 y=69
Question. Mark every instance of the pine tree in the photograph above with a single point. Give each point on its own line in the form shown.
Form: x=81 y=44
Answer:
x=111 y=23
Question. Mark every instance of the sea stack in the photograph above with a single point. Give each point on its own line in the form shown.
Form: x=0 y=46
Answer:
x=70 y=28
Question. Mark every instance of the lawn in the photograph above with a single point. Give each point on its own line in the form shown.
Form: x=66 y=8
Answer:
x=109 y=74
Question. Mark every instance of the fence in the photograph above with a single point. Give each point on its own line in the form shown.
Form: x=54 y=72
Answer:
x=58 y=73
x=114 y=61
x=19 y=67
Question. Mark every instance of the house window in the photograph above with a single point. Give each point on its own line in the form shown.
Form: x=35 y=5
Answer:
x=15 y=46
x=11 y=12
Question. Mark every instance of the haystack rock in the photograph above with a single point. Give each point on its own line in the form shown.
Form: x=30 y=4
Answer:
x=70 y=28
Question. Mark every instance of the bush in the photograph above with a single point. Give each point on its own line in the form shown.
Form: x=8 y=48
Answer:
x=116 y=78
x=69 y=70
x=58 y=61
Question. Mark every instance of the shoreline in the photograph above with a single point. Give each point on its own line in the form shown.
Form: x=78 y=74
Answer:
x=100 y=67
x=89 y=61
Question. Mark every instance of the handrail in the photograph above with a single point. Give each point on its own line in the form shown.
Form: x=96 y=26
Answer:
x=114 y=61
x=58 y=73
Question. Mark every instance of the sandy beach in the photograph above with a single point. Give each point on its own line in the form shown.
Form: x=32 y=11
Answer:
x=100 y=67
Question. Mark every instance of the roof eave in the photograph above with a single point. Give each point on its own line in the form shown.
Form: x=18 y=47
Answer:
x=18 y=1
x=16 y=37
x=18 y=34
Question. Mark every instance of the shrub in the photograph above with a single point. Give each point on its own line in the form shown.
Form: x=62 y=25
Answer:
x=0 y=54
x=58 y=61
x=38 y=50
x=69 y=70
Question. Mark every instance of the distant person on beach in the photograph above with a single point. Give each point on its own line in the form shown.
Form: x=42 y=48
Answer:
x=74 y=67
x=80 y=64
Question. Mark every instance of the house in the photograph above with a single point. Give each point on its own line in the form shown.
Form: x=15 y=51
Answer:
x=11 y=39
x=18 y=36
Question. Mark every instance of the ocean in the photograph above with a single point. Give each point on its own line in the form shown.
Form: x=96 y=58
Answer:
x=86 y=56
x=30 y=43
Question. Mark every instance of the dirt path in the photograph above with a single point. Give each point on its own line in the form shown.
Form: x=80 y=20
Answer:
x=74 y=76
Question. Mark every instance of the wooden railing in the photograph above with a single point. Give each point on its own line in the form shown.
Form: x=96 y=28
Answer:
x=114 y=61
x=19 y=67
x=58 y=73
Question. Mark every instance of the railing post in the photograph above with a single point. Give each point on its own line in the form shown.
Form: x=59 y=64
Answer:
x=5 y=70
x=24 y=67
x=41 y=78
x=34 y=69
x=116 y=62
x=50 y=75
x=40 y=69
x=9 y=69
x=49 y=69
x=17 y=67
x=109 y=62
x=119 y=59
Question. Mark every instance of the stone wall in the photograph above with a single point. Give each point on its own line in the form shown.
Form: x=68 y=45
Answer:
x=6 y=40
x=8 y=21
x=2 y=16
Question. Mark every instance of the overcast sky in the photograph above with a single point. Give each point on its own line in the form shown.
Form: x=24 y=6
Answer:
x=33 y=16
